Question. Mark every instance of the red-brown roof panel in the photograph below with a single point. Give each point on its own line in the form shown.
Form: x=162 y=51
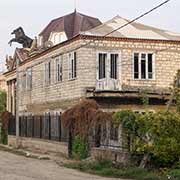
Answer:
x=72 y=24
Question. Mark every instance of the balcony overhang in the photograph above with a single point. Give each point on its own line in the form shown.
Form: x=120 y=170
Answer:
x=92 y=93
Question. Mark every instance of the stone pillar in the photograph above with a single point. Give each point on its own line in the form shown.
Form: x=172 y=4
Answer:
x=8 y=96
x=13 y=97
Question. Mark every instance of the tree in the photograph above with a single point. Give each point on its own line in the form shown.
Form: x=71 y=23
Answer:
x=3 y=135
x=81 y=119
x=2 y=102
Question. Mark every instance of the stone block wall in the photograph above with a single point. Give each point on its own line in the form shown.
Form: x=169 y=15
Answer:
x=167 y=62
x=110 y=154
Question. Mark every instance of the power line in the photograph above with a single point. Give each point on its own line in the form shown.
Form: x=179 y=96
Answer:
x=130 y=22
x=139 y=17
x=93 y=67
x=126 y=24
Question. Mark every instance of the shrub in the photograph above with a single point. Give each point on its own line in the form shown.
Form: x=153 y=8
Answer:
x=154 y=134
x=4 y=137
x=79 y=149
x=2 y=102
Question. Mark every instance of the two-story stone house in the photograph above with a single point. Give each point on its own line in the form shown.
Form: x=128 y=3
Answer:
x=115 y=70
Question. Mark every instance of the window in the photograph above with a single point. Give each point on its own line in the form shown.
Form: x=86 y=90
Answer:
x=57 y=38
x=48 y=73
x=113 y=66
x=59 y=69
x=24 y=81
x=150 y=66
x=102 y=65
x=143 y=66
x=29 y=78
x=107 y=65
x=72 y=66
x=136 y=66
x=40 y=40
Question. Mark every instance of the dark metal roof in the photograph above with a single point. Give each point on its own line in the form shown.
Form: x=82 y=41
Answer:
x=72 y=24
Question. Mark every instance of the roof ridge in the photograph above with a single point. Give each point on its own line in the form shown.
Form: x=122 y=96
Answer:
x=149 y=26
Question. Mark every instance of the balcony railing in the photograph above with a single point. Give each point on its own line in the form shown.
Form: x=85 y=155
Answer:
x=107 y=84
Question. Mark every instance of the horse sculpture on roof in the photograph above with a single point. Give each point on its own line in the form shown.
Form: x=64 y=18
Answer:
x=21 y=38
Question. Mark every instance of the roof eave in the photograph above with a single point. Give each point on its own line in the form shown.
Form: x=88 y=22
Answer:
x=92 y=37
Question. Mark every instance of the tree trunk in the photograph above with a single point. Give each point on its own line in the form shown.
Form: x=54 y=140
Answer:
x=144 y=161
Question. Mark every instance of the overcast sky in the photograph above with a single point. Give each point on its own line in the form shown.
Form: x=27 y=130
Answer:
x=34 y=15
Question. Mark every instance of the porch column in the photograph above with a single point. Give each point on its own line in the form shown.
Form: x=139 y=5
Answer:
x=8 y=91
x=13 y=97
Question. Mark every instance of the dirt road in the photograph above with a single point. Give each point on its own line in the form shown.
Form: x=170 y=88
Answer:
x=14 y=167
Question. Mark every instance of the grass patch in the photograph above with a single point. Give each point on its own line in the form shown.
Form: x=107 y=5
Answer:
x=106 y=169
x=174 y=174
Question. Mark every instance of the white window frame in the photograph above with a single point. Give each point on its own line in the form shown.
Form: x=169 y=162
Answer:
x=153 y=66
x=57 y=39
x=59 y=72
x=72 y=66
x=47 y=78
x=108 y=64
x=40 y=41
x=29 y=81
x=24 y=80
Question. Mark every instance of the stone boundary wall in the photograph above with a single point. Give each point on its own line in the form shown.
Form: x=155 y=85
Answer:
x=110 y=154
x=43 y=146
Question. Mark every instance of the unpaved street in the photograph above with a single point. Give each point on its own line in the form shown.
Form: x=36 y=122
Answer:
x=13 y=167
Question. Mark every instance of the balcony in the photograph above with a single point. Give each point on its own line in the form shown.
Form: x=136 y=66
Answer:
x=108 y=84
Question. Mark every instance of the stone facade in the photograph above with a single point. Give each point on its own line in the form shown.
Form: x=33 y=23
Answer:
x=61 y=95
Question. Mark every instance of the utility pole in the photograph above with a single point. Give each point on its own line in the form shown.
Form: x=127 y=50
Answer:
x=17 y=103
